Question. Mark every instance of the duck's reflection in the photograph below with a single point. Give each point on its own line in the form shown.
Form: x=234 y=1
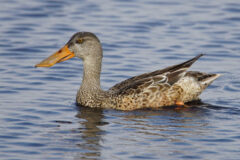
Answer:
x=169 y=125
x=91 y=132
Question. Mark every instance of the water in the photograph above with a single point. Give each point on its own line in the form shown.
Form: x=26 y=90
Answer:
x=39 y=118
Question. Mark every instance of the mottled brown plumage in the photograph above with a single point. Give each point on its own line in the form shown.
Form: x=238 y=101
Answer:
x=150 y=90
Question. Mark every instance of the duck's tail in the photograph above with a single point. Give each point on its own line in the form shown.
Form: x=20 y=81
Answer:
x=208 y=79
x=205 y=79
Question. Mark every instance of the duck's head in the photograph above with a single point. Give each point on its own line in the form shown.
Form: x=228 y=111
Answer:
x=84 y=45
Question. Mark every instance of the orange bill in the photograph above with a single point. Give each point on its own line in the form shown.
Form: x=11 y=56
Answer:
x=62 y=55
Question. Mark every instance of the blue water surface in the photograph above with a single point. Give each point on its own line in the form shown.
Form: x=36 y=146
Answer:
x=39 y=118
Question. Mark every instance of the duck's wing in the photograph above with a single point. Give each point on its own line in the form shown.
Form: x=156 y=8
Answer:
x=167 y=76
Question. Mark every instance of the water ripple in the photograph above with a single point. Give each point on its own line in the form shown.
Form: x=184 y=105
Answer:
x=39 y=118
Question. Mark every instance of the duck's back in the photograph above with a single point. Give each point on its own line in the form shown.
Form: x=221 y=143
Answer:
x=161 y=88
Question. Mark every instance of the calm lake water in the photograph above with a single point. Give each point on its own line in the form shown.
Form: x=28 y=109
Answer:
x=39 y=118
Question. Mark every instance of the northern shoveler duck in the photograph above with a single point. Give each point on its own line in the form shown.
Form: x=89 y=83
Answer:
x=170 y=86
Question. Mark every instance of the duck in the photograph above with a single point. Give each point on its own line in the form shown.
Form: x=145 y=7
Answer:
x=173 y=85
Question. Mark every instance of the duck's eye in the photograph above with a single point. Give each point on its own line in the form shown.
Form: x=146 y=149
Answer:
x=80 y=40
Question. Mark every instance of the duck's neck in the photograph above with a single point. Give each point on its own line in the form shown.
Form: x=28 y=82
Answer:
x=91 y=75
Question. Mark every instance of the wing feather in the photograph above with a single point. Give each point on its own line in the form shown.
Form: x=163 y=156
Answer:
x=169 y=75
